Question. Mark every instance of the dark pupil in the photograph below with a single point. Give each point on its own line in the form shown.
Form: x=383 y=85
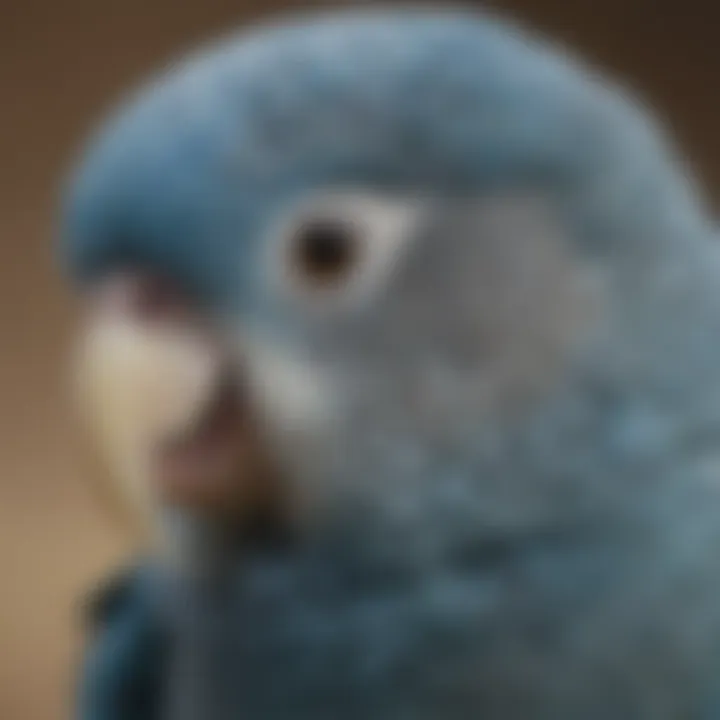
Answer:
x=325 y=250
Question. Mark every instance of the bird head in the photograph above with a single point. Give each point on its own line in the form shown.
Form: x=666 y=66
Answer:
x=429 y=278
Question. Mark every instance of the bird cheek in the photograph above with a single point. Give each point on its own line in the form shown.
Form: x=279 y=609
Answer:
x=297 y=404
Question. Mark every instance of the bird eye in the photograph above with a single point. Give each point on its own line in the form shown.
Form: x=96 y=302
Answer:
x=324 y=251
x=336 y=249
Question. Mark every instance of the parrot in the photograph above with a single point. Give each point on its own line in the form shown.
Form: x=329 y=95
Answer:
x=451 y=298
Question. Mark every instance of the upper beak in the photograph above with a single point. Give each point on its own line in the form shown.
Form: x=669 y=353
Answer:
x=138 y=381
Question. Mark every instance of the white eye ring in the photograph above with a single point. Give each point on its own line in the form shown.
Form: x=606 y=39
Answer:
x=335 y=249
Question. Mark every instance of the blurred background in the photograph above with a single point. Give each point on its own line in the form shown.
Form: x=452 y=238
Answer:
x=61 y=63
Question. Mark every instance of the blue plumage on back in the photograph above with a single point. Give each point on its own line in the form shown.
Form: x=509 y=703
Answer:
x=126 y=665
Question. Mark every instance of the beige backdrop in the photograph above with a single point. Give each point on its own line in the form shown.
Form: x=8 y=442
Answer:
x=61 y=62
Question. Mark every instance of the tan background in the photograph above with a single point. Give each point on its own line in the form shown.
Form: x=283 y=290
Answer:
x=61 y=62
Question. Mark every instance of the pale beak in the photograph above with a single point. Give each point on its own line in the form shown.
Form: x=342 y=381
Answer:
x=141 y=385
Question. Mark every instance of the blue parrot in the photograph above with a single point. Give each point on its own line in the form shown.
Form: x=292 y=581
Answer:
x=473 y=291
